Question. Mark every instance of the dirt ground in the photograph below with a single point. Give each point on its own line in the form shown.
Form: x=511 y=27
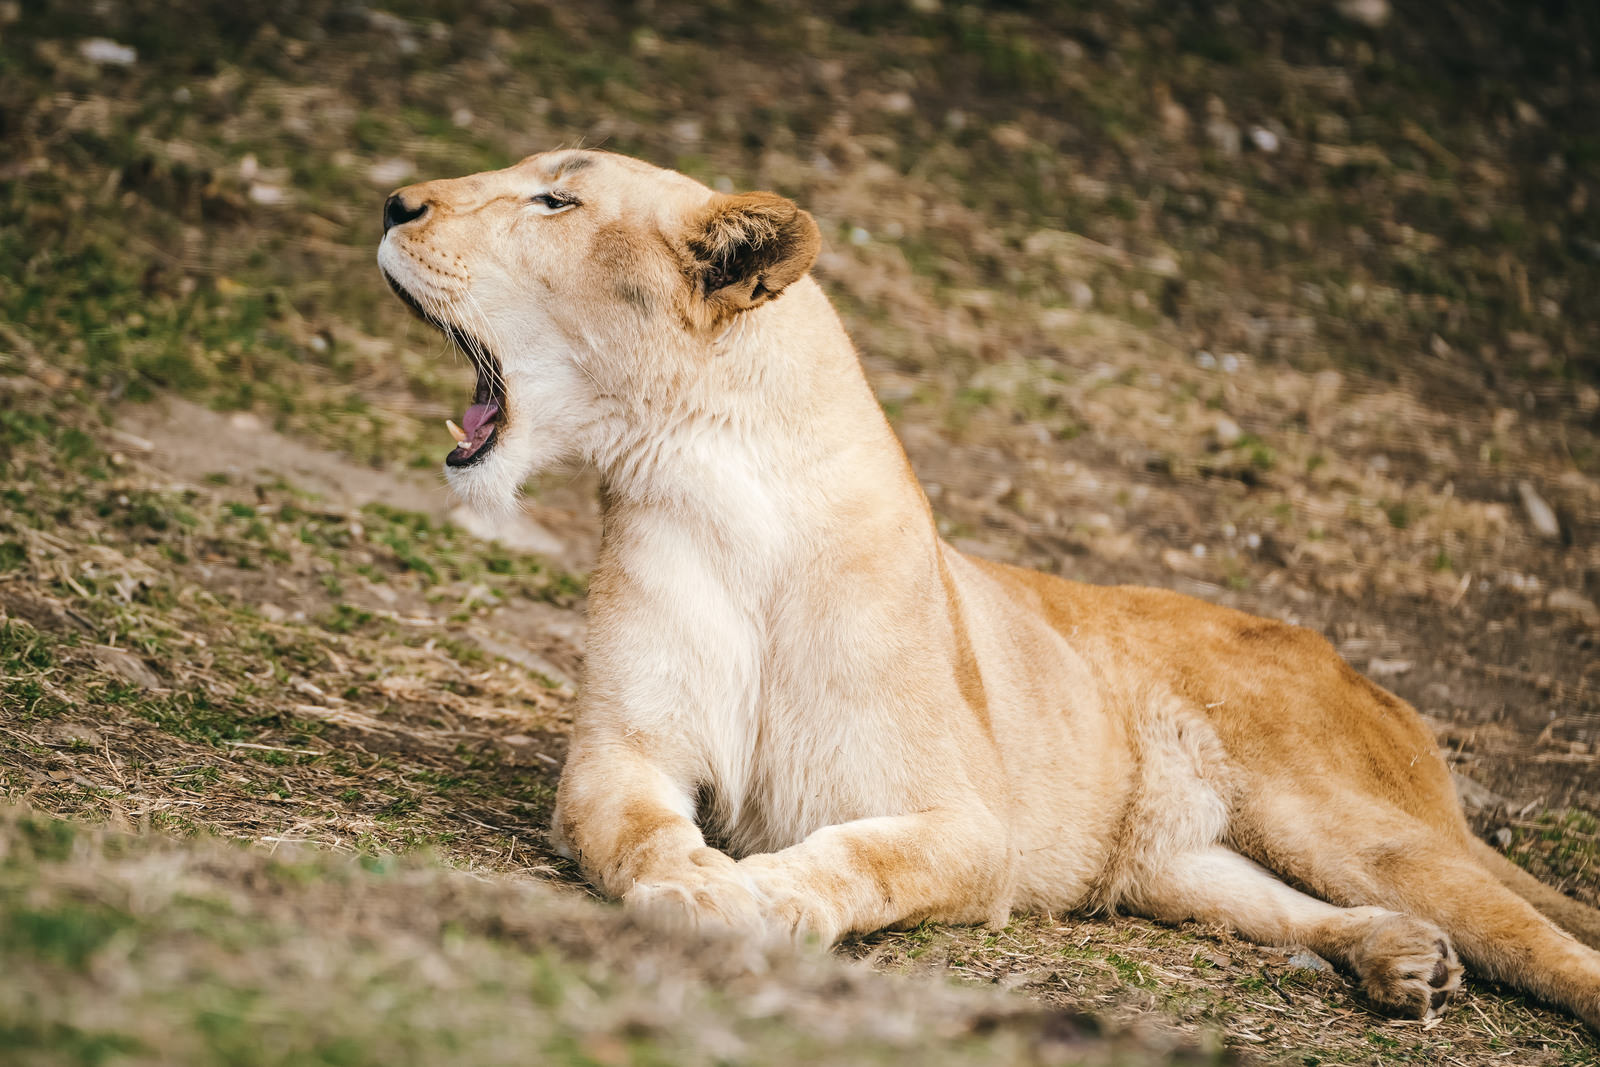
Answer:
x=1297 y=311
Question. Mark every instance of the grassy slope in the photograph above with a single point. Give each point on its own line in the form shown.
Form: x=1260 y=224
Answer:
x=201 y=223
x=147 y=950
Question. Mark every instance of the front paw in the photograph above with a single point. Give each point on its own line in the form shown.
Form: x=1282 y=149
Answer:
x=756 y=899
x=706 y=895
x=794 y=911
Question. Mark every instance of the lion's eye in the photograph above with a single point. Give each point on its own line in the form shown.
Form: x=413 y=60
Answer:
x=551 y=203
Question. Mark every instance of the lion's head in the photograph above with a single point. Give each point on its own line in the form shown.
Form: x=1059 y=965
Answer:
x=584 y=286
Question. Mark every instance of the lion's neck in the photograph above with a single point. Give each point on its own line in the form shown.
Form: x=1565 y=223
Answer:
x=779 y=450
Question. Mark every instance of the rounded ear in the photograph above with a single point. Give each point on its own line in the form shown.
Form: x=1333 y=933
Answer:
x=746 y=249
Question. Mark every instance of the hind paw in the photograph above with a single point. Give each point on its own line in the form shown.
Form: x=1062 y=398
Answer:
x=1407 y=967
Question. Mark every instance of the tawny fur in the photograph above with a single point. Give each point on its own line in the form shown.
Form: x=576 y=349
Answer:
x=877 y=729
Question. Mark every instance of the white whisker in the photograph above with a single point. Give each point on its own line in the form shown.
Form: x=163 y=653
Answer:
x=486 y=334
x=439 y=310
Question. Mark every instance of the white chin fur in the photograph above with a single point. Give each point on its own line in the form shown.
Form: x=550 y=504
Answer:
x=493 y=485
x=489 y=487
x=539 y=432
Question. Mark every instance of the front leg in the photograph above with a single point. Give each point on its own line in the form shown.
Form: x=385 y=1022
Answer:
x=631 y=828
x=629 y=824
x=949 y=864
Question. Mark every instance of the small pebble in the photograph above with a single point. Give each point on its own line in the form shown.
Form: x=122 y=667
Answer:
x=267 y=195
x=1541 y=516
x=897 y=102
x=390 y=171
x=1309 y=961
x=108 y=53
x=1264 y=139
x=1372 y=13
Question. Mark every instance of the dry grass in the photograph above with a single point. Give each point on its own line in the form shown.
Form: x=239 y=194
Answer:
x=1305 y=382
x=1268 y=1004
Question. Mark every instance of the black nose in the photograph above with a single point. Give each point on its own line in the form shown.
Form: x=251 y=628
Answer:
x=395 y=212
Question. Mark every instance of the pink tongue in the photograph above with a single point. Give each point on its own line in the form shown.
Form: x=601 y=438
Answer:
x=477 y=416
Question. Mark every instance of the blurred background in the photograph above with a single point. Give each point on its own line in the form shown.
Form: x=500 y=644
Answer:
x=1293 y=306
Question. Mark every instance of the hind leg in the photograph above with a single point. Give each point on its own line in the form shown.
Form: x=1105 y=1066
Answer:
x=1375 y=855
x=1579 y=920
x=1405 y=965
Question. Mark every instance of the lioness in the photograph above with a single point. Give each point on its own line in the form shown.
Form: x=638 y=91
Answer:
x=877 y=728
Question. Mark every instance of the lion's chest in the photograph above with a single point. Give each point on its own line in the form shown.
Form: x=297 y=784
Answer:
x=804 y=773
x=802 y=697
x=824 y=745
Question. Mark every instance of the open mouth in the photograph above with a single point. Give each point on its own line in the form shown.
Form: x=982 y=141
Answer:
x=475 y=435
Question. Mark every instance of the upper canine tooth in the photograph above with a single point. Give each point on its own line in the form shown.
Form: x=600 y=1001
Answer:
x=455 y=431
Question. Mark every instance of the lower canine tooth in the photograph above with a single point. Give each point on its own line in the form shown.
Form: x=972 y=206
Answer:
x=455 y=431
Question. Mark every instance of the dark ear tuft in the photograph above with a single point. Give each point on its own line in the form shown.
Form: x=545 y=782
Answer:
x=746 y=249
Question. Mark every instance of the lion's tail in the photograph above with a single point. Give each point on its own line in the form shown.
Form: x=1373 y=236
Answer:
x=1577 y=919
